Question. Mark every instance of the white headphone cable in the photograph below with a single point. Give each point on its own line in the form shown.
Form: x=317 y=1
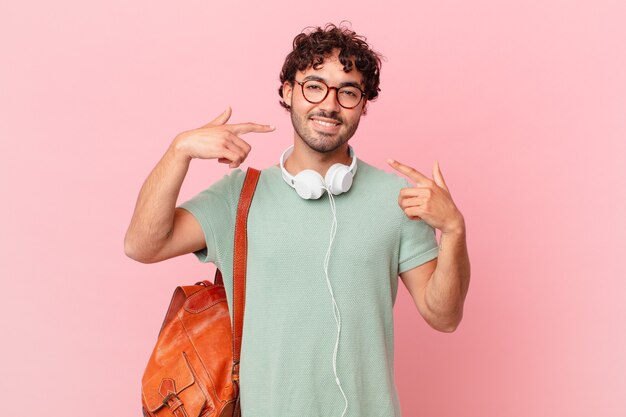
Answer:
x=333 y=232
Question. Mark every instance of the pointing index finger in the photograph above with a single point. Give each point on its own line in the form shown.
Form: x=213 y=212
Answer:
x=410 y=172
x=241 y=128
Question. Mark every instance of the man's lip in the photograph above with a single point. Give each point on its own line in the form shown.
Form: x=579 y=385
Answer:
x=319 y=125
x=324 y=119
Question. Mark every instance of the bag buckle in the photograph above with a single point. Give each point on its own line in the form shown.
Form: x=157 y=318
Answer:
x=235 y=371
x=175 y=404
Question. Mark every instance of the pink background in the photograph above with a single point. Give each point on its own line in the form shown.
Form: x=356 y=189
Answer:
x=522 y=103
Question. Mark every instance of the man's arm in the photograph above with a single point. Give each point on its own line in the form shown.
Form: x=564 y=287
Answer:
x=439 y=287
x=439 y=295
x=158 y=230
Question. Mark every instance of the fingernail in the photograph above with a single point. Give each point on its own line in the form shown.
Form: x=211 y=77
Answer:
x=272 y=127
x=390 y=161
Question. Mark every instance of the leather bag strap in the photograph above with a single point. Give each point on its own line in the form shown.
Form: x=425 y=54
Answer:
x=240 y=262
x=218 y=278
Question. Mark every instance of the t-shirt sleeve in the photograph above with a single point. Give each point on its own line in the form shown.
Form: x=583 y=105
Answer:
x=214 y=209
x=418 y=243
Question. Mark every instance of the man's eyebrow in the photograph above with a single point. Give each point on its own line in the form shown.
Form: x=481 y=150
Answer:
x=314 y=78
x=350 y=84
x=344 y=84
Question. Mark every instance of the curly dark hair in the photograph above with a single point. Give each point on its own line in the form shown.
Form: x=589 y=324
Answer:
x=312 y=47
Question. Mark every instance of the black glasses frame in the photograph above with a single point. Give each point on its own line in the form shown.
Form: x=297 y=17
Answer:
x=328 y=88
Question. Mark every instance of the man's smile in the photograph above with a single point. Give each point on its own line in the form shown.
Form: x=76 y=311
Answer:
x=325 y=124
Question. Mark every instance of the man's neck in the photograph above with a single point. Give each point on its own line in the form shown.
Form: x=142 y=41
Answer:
x=304 y=157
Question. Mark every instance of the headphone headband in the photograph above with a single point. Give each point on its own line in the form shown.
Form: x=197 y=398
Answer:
x=289 y=179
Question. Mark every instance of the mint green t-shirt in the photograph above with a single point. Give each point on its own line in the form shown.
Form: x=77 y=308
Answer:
x=289 y=330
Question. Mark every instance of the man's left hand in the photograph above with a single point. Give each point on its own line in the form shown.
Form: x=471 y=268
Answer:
x=429 y=200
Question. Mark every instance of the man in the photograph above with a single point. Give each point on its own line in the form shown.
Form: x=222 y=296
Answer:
x=323 y=259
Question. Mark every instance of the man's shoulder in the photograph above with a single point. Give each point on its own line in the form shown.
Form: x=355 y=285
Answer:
x=376 y=176
x=227 y=187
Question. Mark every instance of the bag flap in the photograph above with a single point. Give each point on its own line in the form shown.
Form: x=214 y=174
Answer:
x=173 y=378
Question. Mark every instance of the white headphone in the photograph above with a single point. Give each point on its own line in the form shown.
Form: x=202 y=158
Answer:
x=310 y=185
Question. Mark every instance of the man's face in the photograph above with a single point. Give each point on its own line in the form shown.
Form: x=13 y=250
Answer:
x=324 y=126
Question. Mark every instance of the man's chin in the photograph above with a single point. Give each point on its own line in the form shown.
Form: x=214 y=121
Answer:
x=326 y=147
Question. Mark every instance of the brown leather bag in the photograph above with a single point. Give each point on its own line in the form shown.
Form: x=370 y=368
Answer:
x=194 y=368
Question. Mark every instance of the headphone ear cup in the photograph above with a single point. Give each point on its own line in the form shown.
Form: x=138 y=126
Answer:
x=338 y=179
x=309 y=184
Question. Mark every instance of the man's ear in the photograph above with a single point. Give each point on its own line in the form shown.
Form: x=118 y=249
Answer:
x=287 y=92
x=364 y=108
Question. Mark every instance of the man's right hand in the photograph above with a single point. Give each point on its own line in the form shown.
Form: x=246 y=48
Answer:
x=158 y=230
x=218 y=140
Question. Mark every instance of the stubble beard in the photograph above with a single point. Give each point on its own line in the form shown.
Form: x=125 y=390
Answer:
x=319 y=141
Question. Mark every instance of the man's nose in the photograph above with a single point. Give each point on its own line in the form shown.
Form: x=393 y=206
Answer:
x=330 y=102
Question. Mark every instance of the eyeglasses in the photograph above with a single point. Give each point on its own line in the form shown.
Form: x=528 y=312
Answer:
x=316 y=91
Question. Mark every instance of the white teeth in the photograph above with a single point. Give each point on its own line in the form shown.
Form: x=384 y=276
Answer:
x=326 y=123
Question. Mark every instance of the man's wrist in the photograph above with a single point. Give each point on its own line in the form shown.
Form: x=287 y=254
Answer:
x=455 y=228
x=179 y=149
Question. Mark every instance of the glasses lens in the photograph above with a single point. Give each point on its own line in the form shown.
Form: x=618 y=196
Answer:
x=349 y=96
x=314 y=91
